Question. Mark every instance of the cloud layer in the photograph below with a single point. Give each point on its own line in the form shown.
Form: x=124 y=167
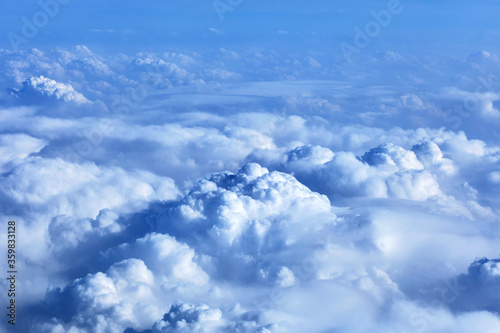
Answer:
x=196 y=192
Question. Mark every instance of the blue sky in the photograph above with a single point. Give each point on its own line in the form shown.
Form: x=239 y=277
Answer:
x=283 y=166
x=438 y=25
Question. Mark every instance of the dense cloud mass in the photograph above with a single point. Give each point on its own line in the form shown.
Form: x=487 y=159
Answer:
x=36 y=88
x=184 y=191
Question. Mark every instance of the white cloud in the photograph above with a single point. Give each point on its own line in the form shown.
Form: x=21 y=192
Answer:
x=16 y=147
x=172 y=262
x=60 y=187
x=106 y=301
x=229 y=207
x=233 y=195
x=36 y=87
x=188 y=317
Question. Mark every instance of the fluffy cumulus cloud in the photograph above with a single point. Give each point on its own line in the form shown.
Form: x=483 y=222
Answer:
x=40 y=87
x=60 y=187
x=104 y=301
x=245 y=191
x=186 y=317
x=244 y=218
x=252 y=194
x=384 y=171
x=171 y=261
